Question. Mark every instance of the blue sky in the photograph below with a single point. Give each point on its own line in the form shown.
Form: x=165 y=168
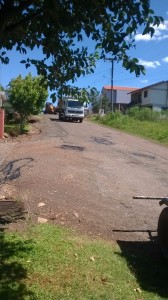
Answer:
x=152 y=53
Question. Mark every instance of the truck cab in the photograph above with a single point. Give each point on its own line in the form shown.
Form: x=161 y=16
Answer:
x=71 y=109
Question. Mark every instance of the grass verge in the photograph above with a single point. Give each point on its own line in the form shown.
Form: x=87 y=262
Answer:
x=48 y=262
x=154 y=130
x=14 y=129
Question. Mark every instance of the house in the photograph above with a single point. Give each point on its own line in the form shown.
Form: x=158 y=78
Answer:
x=154 y=96
x=6 y=105
x=3 y=98
x=119 y=96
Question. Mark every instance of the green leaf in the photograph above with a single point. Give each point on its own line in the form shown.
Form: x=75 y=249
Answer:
x=56 y=29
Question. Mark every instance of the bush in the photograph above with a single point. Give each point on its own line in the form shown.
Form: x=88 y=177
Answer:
x=143 y=114
x=133 y=112
x=164 y=114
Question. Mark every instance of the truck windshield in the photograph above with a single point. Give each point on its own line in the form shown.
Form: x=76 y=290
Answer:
x=72 y=103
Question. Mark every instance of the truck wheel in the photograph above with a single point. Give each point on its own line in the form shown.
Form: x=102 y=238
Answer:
x=163 y=231
x=63 y=117
x=60 y=117
x=81 y=120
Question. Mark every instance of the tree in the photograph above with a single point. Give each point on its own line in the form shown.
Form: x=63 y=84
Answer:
x=92 y=96
x=27 y=96
x=98 y=101
x=1 y=87
x=105 y=104
x=55 y=26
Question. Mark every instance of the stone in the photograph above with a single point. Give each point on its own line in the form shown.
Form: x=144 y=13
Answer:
x=41 y=220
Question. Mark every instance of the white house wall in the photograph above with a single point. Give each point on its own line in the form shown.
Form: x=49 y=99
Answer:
x=146 y=100
x=123 y=97
x=108 y=94
x=157 y=95
x=119 y=96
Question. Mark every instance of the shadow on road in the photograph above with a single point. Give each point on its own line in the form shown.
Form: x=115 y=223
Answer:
x=54 y=119
x=11 y=211
x=12 y=169
x=146 y=262
x=69 y=121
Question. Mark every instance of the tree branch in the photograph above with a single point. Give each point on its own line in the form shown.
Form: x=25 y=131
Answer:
x=9 y=11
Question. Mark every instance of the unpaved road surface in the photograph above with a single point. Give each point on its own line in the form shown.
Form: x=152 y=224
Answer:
x=87 y=175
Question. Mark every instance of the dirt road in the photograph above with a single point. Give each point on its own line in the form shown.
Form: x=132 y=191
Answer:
x=86 y=175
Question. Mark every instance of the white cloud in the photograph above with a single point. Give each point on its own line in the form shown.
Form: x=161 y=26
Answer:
x=140 y=37
x=162 y=26
x=161 y=33
x=144 y=81
x=149 y=64
x=165 y=59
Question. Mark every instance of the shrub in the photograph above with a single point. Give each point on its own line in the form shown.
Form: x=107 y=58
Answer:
x=143 y=114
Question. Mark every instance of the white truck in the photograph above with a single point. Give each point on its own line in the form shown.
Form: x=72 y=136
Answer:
x=71 y=109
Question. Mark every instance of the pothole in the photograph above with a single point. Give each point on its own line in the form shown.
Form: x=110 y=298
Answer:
x=102 y=141
x=143 y=155
x=71 y=147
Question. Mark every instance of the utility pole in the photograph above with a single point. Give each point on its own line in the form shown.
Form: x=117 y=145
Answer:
x=101 y=101
x=112 y=73
x=112 y=78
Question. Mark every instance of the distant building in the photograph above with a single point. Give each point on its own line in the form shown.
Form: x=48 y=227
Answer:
x=154 y=96
x=3 y=98
x=119 y=95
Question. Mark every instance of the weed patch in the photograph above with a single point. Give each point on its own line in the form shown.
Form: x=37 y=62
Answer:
x=144 y=123
x=14 y=129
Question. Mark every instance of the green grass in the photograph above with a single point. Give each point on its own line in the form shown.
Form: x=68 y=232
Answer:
x=155 y=130
x=14 y=129
x=48 y=262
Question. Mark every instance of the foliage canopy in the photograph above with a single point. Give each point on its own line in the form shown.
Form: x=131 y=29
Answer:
x=27 y=95
x=1 y=88
x=55 y=27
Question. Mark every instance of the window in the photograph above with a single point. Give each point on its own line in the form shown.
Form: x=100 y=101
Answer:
x=145 y=94
x=72 y=103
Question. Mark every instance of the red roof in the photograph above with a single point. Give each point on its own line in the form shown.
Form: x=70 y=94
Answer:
x=121 y=88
